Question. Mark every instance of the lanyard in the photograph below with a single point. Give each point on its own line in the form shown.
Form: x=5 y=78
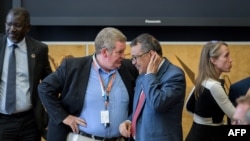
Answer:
x=105 y=90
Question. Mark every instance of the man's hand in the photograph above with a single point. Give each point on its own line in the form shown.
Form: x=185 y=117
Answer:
x=125 y=128
x=73 y=122
x=154 y=63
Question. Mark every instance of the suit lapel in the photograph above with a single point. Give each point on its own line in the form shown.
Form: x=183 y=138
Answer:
x=2 y=51
x=31 y=56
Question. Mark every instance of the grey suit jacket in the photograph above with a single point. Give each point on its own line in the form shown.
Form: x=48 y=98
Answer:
x=39 y=68
x=161 y=116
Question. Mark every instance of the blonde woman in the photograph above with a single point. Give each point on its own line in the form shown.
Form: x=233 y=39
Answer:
x=208 y=101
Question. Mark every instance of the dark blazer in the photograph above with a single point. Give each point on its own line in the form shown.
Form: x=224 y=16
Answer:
x=161 y=116
x=71 y=81
x=238 y=89
x=39 y=68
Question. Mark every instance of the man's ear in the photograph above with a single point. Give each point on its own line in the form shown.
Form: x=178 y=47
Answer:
x=104 y=52
x=151 y=52
x=28 y=28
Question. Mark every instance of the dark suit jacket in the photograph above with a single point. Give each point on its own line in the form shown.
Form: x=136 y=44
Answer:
x=39 y=68
x=238 y=89
x=161 y=116
x=71 y=81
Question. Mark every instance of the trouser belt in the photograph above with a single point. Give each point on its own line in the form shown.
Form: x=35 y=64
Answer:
x=97 y=137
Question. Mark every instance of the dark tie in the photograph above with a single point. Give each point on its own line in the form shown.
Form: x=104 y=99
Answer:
x=137 y=112
x=11 y=82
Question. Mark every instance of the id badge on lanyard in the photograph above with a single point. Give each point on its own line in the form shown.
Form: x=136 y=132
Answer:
x=105 y=94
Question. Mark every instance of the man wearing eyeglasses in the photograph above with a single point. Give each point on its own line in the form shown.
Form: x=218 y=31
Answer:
x=159 y=94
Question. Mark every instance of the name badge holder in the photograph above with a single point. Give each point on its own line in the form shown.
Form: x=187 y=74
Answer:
x=105 y=95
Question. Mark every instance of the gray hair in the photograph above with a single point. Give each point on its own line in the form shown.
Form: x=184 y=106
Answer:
x=148 y=42
x=107 y=38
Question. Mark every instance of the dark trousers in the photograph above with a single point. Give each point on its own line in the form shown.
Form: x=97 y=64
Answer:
x=19 y=127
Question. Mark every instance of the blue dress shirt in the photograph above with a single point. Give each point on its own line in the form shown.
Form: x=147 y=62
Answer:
x=95 y=103
x=23 y=102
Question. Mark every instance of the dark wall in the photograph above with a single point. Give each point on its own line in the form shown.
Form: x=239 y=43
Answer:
x=134 y=13
x=163 y=33
x=5 y=5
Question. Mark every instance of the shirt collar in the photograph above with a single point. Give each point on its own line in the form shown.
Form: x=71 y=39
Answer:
x=100 y=68
x=163 y=60
x=19 y=44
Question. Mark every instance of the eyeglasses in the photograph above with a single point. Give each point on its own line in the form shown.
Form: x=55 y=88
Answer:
x=135 y=57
